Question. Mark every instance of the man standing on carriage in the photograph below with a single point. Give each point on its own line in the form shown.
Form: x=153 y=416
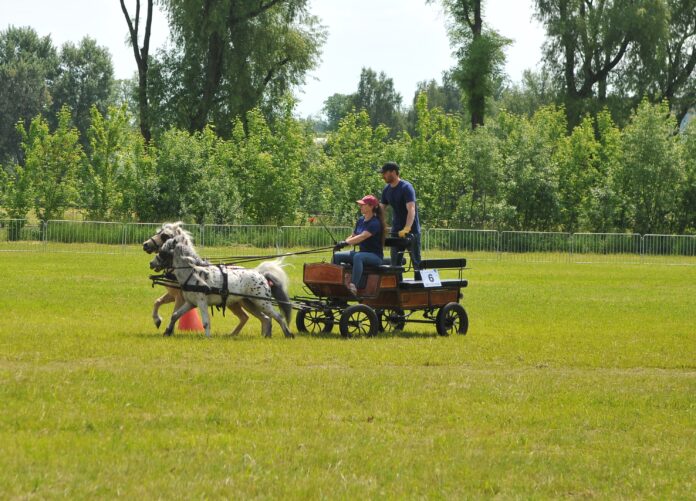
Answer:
x=401 y=196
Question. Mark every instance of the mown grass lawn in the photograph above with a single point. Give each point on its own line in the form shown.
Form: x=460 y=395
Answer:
x=574 y=381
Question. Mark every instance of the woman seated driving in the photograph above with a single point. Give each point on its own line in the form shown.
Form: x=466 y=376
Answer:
x=369 y=234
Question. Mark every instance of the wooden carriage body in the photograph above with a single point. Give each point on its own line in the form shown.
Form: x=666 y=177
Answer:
x=384 y=287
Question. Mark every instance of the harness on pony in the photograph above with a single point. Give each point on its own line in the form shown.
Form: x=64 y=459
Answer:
x=169 y=280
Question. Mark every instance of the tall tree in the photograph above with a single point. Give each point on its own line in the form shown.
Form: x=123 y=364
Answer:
x=85 y=79
x=142 y=55
x=229 y=56
x=336 y=107
x=445 y=96
x=479 y=53
x=666 y=69
x=28 y=65
x=651 y=170
x=537 y=89
x=52 y=161
x=377 y=95
x=587 y=39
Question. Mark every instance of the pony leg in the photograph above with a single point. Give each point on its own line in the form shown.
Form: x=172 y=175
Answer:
x=243 y=317
x=178 y=297
x=177 y=315
x=253 y=308
x=203 y=307
x=163 y=299
x=268 y=310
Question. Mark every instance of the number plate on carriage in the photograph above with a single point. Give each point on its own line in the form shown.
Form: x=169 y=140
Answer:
x=430 y=278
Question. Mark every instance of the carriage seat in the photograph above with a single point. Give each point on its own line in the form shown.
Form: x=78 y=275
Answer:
x=447 y=263
x=449 y=283
x=440 y=264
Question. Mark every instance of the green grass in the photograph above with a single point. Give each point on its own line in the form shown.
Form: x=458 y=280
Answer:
x=574 y=381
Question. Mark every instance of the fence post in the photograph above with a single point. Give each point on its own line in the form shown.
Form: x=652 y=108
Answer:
x=497 y=244
x=202 y=230
x=642 y=249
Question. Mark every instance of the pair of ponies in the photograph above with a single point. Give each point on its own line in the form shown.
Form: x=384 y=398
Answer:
x=254 y=290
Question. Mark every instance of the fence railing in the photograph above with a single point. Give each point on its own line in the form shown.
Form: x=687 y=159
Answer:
x=529 y=246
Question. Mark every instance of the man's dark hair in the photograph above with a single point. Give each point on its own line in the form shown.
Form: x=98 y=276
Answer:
x=389 y=166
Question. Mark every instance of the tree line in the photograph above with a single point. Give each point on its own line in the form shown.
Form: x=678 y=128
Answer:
x=205 y=129
x=516 y=173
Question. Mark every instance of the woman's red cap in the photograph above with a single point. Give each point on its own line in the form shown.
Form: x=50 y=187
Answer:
x=368 y=200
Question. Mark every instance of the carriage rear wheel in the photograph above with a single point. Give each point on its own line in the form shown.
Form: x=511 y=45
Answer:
x=358 y=320
x=314 y=321
x=391 y=319
x=452 y=319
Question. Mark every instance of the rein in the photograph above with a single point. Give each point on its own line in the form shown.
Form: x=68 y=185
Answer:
x=244 y=259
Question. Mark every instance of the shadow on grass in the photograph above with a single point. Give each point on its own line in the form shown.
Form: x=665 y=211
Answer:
x=327 y=336
x=188 y=336
x=380 y=335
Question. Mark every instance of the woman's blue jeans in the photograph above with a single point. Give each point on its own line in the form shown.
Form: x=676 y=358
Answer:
x=359 y=260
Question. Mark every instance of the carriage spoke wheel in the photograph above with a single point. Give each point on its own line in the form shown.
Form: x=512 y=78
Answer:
x=452 y=319
x=314 y=321
x=391 y=319
x=358 y=320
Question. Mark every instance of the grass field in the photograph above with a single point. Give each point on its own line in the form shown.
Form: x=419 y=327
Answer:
x=574 y=381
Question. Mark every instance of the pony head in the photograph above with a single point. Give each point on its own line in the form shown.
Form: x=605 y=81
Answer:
x=178 y=246
x=167 y=232
x=164 y=259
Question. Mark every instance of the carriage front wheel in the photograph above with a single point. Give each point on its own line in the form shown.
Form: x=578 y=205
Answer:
x=358 y=320
x=314 y=321
x=391 y=319
x=452 y=319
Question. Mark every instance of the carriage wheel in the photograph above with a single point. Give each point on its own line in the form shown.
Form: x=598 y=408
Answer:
x=391 y=319
x=452 y=319
x=314 y=321
x=358 y=320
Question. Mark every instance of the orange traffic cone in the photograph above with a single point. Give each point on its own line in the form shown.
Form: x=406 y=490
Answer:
x=191 y=321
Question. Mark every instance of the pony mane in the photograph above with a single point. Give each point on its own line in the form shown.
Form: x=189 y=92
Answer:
x=177 y=229
x=186 y=249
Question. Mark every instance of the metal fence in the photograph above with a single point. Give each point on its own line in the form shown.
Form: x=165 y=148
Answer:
x=19 y=235
x=606 y=247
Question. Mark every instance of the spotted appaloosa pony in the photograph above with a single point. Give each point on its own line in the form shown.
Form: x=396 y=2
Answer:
x=204 y=285
x=153 y=244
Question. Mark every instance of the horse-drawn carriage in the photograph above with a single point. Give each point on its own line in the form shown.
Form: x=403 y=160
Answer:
x=387 y=301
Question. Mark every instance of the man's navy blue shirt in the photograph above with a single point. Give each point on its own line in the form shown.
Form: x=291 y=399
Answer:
x=374 y=243
x=398 y=196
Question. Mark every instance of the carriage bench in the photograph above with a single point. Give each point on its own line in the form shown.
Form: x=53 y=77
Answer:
x=458 y=263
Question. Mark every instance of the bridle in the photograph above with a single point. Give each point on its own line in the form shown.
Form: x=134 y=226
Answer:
x=158 y=240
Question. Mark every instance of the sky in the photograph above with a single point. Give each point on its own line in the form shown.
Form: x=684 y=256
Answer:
x=405 y=39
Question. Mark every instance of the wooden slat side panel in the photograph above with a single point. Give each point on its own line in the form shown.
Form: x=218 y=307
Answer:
x=441 y=297
x=322 y=273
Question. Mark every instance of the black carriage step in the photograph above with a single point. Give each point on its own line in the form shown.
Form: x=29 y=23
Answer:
x=449 y=283
x=449 y=263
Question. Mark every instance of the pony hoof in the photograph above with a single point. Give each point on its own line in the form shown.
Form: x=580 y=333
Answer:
x=167 y=333
x=158 y=322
